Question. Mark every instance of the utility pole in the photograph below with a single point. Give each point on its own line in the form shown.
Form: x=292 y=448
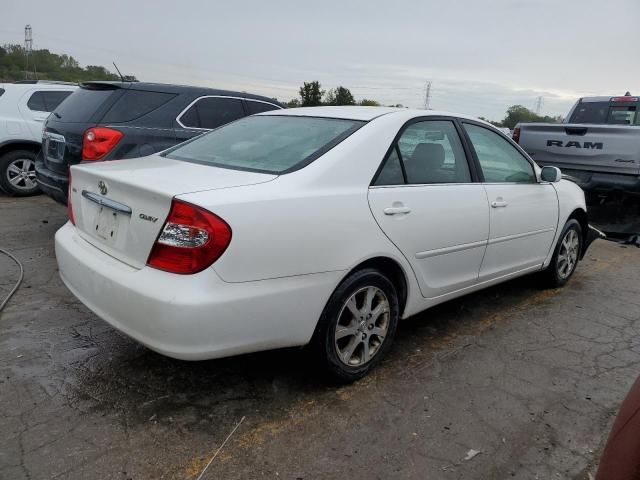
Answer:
x=28 y=49
x=539 y=103
x=427 y=95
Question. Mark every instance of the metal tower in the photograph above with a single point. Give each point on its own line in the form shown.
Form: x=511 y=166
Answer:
x=539 y=103
x=28 y=49
x=427 y=95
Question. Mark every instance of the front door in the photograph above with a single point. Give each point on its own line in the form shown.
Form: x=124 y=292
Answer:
x=425 y=201
x=523 y=212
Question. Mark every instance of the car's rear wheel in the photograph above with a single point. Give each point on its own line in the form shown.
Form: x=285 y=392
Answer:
x=566 y=255
x=18 y=173
x=357 y=326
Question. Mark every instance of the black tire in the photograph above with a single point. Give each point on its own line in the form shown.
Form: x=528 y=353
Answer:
x=23 y=187
x=325 y=347
x=556 y=274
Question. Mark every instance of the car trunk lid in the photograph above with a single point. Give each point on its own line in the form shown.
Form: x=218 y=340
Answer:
x=120 y=207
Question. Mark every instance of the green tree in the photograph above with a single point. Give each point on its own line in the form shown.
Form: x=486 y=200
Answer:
x=339 y=96
x=365 y=102
x=518 y=113
x=293 y=103
x=49 y=66
x=311 y=94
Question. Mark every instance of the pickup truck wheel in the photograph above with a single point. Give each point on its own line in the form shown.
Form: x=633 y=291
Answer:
x=357 y=326
x=566 y=255
x=18 y=173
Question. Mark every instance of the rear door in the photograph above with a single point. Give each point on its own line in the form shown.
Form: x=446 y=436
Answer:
x=206 y=113
x=37 y=104
x=523 y=213
x=425 y=200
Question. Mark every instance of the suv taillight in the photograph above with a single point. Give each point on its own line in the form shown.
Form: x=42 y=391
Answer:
x=516 y=134
x=72 y=219
x=99 y=141
x=191 y=239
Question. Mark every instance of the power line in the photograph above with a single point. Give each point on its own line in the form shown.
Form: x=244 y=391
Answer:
x=28 y=52
x=539 y=103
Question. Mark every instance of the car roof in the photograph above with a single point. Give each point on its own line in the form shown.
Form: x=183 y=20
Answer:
x=172 y=88
x=363 y=113
x=20 y=87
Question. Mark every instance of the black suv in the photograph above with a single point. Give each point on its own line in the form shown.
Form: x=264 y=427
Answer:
x=115 y=120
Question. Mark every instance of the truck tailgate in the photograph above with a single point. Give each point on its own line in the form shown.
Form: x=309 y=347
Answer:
x=595 y=148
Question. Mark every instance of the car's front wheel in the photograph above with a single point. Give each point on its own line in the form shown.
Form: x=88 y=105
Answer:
x=18 y=173
x=357 y=326
x=566 y=255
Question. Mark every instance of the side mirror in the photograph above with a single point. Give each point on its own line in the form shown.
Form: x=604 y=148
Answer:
x=550 y=174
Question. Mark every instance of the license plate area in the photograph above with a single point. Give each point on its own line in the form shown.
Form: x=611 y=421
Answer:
x=106 y=225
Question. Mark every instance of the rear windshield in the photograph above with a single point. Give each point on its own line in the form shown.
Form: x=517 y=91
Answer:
x=134 y=104
x=82 y=104
x=269 y=144
x=605 y=113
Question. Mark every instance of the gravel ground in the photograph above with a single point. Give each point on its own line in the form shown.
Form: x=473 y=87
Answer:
x=531 y=378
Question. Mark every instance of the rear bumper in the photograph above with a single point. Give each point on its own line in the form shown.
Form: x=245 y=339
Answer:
x=192 y=317
x=606 y=182
x=53 y=184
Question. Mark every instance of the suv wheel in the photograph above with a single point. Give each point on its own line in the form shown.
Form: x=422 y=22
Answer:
x=357 y=326
x=18 y=173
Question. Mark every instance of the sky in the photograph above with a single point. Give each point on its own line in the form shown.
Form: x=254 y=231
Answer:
x=481 y=56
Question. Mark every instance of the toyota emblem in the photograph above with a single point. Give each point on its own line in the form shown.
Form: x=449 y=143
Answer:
x=102 y=187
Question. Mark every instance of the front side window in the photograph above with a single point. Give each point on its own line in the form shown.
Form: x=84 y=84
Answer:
x=426 y=153
x=212 y=112
x=499 y=160
x=271 y=144
x=46 y=101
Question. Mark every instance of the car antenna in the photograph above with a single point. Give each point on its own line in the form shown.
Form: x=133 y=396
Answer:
x=118 y=70
x=628 y=94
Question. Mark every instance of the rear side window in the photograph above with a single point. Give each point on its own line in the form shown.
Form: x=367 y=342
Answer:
x=212 y=112
x=427 y=152
x=1 y=91
x=257 y=107
x=500 y=161
x=83 y=103
x=46 y=101
x=134 y=104
x=270 y=143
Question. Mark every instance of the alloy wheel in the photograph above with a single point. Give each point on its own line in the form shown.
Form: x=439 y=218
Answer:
x=568 y=254
x=362 y=326
x=21 y=174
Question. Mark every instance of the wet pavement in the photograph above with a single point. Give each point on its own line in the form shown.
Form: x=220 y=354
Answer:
x=529 y=377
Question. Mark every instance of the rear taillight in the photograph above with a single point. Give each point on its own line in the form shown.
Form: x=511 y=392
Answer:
x=190 y=241
x=516 y=135
x=72 y=219
x=99 y=141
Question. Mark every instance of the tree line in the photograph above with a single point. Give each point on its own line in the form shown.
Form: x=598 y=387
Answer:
x=519 y=113
x=49 y=66
x=312 y=95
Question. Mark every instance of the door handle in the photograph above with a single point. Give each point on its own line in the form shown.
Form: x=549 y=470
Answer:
x=499 y=204
x=396 y=210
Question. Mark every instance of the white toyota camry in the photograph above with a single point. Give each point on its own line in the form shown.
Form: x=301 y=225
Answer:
x=320 y=226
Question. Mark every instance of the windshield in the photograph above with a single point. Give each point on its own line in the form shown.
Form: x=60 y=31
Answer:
x=270 y=144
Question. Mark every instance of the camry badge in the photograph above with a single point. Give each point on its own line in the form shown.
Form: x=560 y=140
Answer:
x=102 y=187
x=148 y=218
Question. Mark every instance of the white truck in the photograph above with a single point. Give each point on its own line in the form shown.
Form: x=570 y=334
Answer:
x=24 y=107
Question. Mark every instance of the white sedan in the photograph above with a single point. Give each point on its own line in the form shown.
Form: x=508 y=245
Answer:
x=320 y=226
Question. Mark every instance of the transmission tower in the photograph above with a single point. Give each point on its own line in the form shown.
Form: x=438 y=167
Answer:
x=539 y=104
x=28 y=50
x=427 y=95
